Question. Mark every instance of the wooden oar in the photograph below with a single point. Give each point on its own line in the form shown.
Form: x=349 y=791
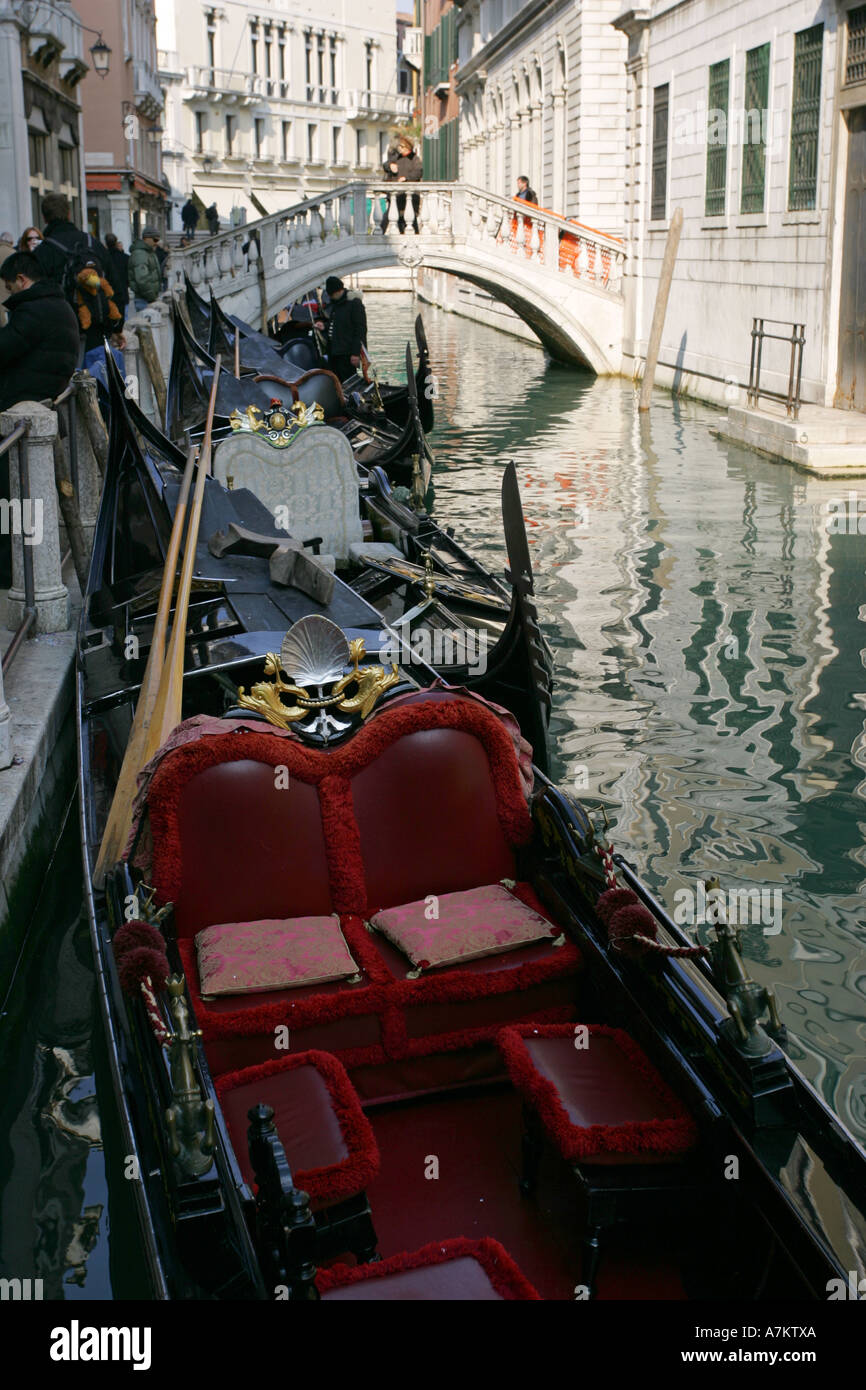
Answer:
x=119 y=821
x=237 y=353
x=169 y=700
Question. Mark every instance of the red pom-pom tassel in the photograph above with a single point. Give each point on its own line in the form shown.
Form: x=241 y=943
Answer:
x=631 y=921
x=612 y=901
x=136 y=965
x=137 y=933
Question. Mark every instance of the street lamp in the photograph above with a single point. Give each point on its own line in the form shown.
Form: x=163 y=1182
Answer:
x=207 y=164
x=101 y=55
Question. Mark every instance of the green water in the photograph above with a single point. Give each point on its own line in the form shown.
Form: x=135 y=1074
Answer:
x=709 y=639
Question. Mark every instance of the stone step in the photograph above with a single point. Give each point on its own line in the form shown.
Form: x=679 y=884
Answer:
x=831 y=460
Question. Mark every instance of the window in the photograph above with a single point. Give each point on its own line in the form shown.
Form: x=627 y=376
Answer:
x=403 y=81
x=287 y=140
x=199 y=132
x=308 y=62
x=267 y=48
x=333 y=57
x=254 y=46
x=336 y=144
x=40 y=184
x=368 y=46
x=756 y=118
x=230 y=135
x=383 y=145
x=659 y=196
x=360 y=152
x=281 y=53
x=259 y=129
x=211 y=44
x=717 y=138
x=320 y=60
x=855 y=69
x=311 y=143
x=805 y=118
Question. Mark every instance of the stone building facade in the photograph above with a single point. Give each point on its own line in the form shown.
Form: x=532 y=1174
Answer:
x=42 y=62
x=270 y=103
x=123 y=115
x=542 y=90
x=752 y=119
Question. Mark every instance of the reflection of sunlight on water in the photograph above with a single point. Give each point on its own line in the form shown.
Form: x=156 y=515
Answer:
x=709 y=642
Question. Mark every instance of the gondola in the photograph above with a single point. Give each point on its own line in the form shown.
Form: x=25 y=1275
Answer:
x=401 y=450
x=365 y=399
x=356 y=944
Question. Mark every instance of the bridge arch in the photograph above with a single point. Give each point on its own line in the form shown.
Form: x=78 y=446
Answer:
x=563 y=280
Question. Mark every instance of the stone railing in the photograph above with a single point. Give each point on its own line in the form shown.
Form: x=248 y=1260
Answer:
x=57 y=453
x=449 y=215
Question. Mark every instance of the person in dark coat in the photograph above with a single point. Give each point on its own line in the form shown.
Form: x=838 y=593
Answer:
x=61 y=237
x=118 y=273
x=40 y=344
x=346 y=329
x=213 y=219
x=189 y=217
x=524 y=192
x=406 y=168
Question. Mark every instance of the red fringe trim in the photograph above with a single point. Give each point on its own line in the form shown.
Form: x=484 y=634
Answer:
x=508 y=1281
x=340 y=1181
x=671 y=1137
x=314 y=767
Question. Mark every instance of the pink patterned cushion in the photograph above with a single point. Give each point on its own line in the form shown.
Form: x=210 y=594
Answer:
x=243 y=957
x=477 y=922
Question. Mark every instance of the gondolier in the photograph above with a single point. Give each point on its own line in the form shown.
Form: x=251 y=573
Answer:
x=346 y=329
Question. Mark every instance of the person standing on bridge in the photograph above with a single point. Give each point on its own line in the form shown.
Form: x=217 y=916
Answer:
x=406 y=168
x=346 y=329
x=524 y=192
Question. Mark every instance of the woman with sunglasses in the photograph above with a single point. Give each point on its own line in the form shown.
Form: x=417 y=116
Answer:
x=30 y=239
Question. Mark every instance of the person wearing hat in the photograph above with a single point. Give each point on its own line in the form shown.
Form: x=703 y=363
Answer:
x=346 y=329
x=145 y=272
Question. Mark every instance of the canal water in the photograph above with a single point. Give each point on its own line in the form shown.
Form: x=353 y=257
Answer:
x=707 y=616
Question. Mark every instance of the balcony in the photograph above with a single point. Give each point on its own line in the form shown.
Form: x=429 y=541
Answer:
x=226 y=86
x=147 y=90
x=377 y=106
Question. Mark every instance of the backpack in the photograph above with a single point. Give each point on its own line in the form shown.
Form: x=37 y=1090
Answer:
x=99 y=312
x=77 y=257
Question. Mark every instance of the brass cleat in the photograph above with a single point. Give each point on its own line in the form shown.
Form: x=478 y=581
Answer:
x=189 y=1119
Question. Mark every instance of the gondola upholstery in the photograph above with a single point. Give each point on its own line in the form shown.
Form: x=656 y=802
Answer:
x=230 y=845
x=456 y=1270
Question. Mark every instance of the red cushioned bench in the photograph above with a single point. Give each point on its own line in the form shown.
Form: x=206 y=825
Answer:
x=327 y=1138
x=446 y=1271
x=425 y=799
x=611 y=1116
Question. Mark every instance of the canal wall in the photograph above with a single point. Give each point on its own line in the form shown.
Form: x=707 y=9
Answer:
x=38 y=757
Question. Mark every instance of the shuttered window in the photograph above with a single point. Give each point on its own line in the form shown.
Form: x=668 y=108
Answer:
x=756 y=117
x=717 y=138
x=805 y=118
x=659 y=195
x=440 y=155
x=855 y=68
x=440 y=49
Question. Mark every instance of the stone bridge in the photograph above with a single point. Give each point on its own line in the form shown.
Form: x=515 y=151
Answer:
x=563 y=279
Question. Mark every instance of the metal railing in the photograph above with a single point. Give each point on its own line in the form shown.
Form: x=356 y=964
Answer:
x=28 y=618
x=796 y=338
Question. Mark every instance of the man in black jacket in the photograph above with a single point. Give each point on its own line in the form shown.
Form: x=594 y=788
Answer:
x=346 y=329
x=524 y=192
x=40 y=344
x=62 y=239
x=118 y=278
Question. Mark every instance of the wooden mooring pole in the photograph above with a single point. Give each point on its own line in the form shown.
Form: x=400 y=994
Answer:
x=661 y=308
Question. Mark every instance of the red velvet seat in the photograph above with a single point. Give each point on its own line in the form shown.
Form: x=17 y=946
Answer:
x=234 y=842
x=603 y=1103
x=328 y=1139
x=326 y=1135
x=610 y=1115
x=447 y=1271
